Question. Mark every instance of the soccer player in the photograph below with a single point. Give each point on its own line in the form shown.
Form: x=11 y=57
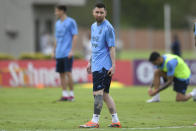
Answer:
x=174 y=70
x=102 y=66
x=66 y=34
x=194 y=29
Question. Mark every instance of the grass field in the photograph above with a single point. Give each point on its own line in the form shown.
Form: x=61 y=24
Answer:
x=34 y=109
x=144 y=54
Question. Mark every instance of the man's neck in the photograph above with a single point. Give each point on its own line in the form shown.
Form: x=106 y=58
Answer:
x=99 y=23
x=63 y=17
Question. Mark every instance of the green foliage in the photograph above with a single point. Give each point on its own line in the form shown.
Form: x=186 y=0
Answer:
x=6 y=57
x=78 y=55
x=139 y=13
x=36 y=109
x=34 y=56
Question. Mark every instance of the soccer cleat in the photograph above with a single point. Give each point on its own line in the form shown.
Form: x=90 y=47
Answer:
x=115 y=125
x=63 y=99
x=71 y=98
x=155 y=98
x=90 y=124
x=193 y=93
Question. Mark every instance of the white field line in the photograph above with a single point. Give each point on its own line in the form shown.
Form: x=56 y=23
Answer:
x=82 y=129
x=154 y=128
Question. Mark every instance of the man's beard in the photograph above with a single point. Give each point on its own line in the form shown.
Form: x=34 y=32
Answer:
x=99 y=20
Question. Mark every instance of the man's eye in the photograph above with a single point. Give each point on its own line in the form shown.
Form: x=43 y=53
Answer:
x=97 y=12
x=101 y=12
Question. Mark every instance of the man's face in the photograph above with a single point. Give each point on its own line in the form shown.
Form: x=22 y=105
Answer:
x=58 y=13
x=157 y=62
x=99 y=14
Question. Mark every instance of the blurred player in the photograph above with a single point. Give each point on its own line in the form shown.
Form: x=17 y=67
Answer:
x=194 y=29
x=102 y=65
x=66 y=33
x=174 y=70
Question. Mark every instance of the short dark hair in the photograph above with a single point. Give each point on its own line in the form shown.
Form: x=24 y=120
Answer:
x=100 y=5
x=154 y=56
x=62 y=7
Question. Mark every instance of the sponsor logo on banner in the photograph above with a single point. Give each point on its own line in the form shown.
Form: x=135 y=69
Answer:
x=42 y=73
x=144 y=70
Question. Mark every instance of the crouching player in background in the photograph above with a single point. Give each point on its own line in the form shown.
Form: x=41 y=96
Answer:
x=102 y=66
x=174 y=70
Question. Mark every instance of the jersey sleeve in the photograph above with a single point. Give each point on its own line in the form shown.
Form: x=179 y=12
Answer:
x=110 y=36
x=74 y=28
x=171 y=66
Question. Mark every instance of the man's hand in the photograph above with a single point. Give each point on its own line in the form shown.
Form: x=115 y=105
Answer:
x=111 y=71
x=89 y=68
x=70 y=54
x=53 y=54
x=152 y=92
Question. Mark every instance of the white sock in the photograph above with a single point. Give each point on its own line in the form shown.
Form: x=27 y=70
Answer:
x=95 y=118
x=157 y=96
x=115 y=118
x=65 y=93
x=71 y=93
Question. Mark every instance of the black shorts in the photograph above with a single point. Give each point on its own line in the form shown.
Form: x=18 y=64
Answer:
x=64 y=64
x=180 y=86
x=101 y=80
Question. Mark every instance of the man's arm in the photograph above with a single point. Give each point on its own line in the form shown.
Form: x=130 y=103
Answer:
x=113 y=58
x=54 y=50
x=163 y=87
x=89 y=66
x=166 y=84
x=74 y=41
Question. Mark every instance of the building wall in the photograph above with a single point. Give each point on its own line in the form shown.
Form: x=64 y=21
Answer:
x=17 y=31
x=17 y=17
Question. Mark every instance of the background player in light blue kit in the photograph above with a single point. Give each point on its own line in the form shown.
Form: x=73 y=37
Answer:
x=66 y=34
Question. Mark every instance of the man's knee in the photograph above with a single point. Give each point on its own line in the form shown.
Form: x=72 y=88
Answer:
x=99 y=92
x=105 y=96
x=180 y=97
x=62 y=75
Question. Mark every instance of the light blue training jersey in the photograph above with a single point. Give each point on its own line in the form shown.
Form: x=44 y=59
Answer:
x=102 y=37
x=64 y=32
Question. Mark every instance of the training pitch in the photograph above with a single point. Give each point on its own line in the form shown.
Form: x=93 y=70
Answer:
x=27 y=109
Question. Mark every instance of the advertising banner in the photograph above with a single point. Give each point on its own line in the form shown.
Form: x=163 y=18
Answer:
x=143 y=72
x=42 y=72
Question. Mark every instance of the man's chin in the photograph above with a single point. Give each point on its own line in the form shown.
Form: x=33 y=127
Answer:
x=99 y=20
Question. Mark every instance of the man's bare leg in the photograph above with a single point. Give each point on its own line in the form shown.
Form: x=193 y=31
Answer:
x=70 y=83
x=111 y=107
x=158 y=74
x=98 y=104
x=64 y=86
x=182 y=97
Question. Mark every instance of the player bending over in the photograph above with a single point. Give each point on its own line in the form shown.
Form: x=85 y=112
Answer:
x=102 y=66
x=174 y=70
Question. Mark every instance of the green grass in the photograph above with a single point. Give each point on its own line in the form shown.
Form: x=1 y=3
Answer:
x=35 y=109
x=144 y=54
